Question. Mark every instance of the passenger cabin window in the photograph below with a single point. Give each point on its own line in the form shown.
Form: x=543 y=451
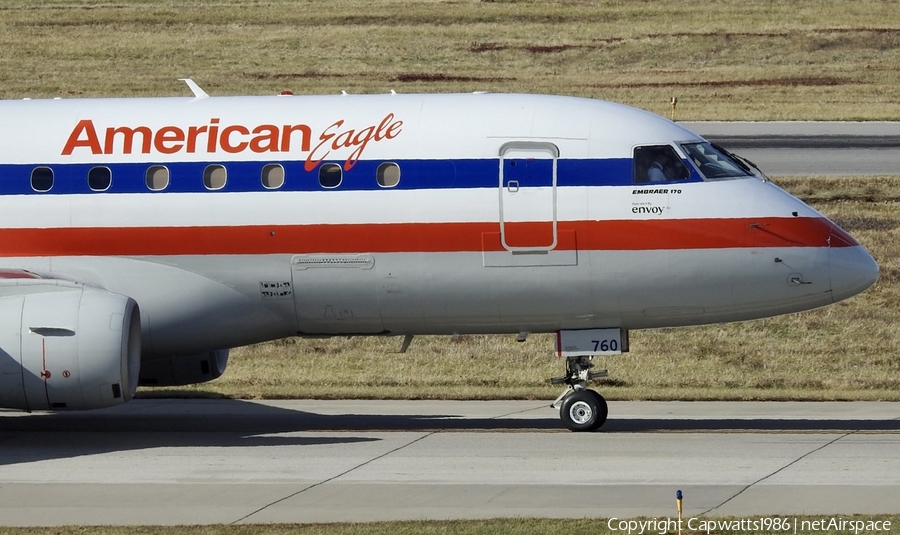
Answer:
x=658 y=163
x=330 y=175
x=272 y=176
x=99 y=178
x=157 y=178
x=388 y=175
x=214 y=177
x=713 y=162
x=41 y=179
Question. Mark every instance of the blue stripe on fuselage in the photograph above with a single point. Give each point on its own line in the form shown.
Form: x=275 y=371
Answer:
x=187 y=177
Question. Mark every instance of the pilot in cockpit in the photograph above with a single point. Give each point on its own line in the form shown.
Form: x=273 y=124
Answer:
x=658 y=164
x=656 y=171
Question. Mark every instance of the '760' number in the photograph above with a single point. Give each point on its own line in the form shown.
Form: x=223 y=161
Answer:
x=584 y=342
x=605 y=345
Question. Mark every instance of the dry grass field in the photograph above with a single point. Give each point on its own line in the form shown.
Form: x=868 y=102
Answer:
x=519 y=526
x=723 y=59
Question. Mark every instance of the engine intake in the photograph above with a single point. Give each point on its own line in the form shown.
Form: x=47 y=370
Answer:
x=65 y=346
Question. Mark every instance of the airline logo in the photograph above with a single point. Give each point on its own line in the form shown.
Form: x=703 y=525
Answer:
x=215 y=137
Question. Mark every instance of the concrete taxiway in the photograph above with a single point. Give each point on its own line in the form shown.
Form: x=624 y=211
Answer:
x=226 y=461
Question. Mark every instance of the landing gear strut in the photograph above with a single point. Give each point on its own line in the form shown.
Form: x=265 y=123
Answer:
x=580 y=409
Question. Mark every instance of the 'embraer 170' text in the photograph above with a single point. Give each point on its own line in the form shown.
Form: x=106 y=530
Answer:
x=232 y=139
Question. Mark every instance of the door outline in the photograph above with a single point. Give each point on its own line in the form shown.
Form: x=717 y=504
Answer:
x=507 y=188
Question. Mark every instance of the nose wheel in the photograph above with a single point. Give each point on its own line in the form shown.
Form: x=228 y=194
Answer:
x=583 y=410
x=580 y=408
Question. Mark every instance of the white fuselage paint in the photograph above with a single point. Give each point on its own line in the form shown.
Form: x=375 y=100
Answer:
x=218 y=269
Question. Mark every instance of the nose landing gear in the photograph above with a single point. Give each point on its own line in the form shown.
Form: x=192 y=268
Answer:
x=580 y=408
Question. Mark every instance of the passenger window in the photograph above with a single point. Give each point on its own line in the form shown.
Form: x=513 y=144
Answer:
x=214 y=177
x=330 y=175
x=272 y=176
x=658 y=163
x=157 y=178
x=41 y=179
x=388 y=175
x=99 y=178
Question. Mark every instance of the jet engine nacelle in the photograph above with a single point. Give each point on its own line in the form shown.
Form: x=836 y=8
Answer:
x=184 y=369
x=66 y=346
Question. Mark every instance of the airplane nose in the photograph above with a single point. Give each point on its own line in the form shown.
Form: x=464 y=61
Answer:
x=852 y=270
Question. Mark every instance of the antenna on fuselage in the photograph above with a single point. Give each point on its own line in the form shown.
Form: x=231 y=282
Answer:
x=196 y=89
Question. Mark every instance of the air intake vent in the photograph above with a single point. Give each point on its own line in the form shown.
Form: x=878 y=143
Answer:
x=362 y=261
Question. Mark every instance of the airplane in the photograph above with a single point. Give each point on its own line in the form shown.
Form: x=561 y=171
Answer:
x=141 y=238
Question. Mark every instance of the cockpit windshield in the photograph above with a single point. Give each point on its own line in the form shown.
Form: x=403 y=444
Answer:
x=713 y=162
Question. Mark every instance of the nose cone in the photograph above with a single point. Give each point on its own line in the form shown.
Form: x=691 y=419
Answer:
x=852 y=270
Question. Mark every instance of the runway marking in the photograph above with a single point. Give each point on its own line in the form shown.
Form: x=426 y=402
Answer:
x=330 y=479
x=788 y=465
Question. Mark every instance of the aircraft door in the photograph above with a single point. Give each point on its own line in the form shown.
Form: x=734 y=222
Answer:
x=528 y=196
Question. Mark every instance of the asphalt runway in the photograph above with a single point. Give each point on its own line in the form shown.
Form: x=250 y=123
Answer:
x=226 y=461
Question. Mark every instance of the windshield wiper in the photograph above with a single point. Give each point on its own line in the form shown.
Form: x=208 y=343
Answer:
x=744 y=163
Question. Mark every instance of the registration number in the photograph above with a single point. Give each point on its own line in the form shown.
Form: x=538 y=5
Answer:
x=586 y=342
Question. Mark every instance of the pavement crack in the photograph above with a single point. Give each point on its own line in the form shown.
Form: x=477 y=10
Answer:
x=523 y=411
x=332 y=478
x=785 y=467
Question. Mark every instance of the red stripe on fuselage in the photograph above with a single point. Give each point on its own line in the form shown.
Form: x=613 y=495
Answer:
x=16 y=274
x=621 y=235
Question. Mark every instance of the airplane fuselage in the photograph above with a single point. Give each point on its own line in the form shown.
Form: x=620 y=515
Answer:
x=233 y=220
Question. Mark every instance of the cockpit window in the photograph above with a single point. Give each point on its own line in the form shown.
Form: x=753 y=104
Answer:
x=714 y=163
x=658 y=163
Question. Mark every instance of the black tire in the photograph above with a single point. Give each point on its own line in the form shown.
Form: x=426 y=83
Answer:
x=583 y=410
